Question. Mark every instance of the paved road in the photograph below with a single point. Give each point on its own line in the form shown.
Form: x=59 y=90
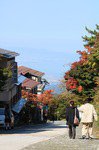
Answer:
x=62 y=142
x=22 y=137
x=45 y=137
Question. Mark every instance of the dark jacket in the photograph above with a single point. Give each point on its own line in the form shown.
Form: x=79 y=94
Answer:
x=7 y=114
x=70 y=113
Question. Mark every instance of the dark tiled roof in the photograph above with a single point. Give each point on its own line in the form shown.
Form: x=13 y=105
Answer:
x=24 y=70
x=28 y=83
x=7 y=53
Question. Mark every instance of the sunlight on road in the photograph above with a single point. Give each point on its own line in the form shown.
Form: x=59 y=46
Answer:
x=28 y=136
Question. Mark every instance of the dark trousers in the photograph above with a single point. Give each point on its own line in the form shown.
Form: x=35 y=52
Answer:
x=72 y=131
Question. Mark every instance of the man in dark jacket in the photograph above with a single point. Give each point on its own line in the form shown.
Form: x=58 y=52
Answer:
x=7 y=117
x=70 y=114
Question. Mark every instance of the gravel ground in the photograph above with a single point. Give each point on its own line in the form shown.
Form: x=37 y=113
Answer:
x=64 y=143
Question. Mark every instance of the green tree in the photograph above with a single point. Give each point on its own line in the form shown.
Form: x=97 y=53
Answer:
x=57 y=107
x=96 y=98
x=5 y=73
x=94 y=55
x=85 y=76
x=90 y=41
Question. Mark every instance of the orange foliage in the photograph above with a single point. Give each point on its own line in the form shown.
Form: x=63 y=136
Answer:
x=84 y=56
x=29 y=96
x=88 y=49
x=80 y=88
x=75 y=64
x=45 y=98
x=71 y=83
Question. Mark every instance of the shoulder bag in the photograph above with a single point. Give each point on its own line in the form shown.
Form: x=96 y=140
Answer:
x=76 y=120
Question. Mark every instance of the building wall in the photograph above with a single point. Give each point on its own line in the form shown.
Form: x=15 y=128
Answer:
x=7 y=95
x=3 y=62
x=9 y=89
x=35 y=78
x=14 y=72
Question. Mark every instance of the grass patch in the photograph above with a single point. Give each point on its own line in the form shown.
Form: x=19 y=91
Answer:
x=96 y=129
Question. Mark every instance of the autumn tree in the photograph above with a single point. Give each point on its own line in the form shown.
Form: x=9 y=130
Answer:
x=45 y=97
x=34 y=105
x=81 y=77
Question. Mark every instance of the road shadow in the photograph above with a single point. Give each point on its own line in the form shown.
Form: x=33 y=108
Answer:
x=90 y=139
x=28 y=129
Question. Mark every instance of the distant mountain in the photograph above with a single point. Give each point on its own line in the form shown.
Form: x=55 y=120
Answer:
x=54 y=86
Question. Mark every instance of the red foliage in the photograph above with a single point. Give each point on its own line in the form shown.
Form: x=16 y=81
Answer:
x=29 y=96
x=80 y=88
x=88 y=49
x=71 y=84
x=75 y=64
x=84 y=56
x=66 y=75
x=44 y=98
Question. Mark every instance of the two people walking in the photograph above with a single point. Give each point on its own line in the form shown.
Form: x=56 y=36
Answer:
x=88 y=115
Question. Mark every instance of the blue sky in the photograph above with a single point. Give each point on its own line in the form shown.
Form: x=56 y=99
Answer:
x=46 y=33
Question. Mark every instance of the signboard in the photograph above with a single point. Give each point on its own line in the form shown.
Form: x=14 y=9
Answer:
x=19 y=105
